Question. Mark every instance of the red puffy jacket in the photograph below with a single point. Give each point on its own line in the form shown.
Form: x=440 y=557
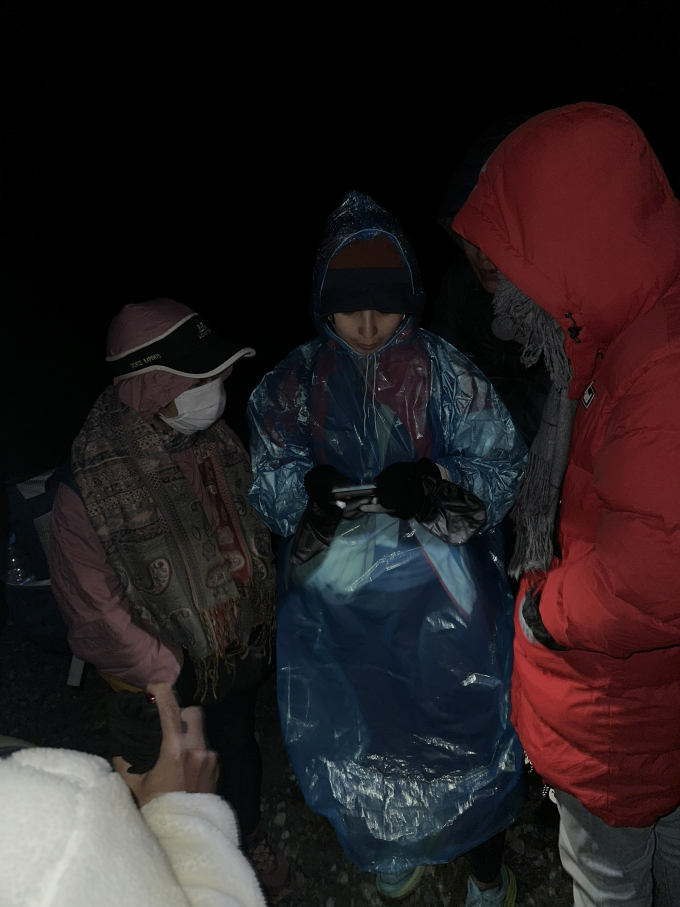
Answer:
x=575 y=210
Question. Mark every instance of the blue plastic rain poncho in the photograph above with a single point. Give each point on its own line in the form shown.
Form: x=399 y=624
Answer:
x=394 y=647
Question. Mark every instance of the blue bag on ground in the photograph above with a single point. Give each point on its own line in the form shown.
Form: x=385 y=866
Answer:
x=394 y=647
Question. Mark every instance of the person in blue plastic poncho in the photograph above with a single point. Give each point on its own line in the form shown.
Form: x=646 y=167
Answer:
x=395 y=618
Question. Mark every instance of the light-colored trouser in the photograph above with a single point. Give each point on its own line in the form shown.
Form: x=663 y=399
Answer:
x=614 y=866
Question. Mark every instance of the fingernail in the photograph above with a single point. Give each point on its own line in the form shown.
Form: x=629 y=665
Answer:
x=150 y=698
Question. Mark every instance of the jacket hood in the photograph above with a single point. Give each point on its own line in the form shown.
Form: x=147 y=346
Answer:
x=575 y=210
x=360 y=218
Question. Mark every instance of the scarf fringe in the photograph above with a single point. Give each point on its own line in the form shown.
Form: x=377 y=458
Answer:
x=533 y=548
x=220 y=625
x=535 y=329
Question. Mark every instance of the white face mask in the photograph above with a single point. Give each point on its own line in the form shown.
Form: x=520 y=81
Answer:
x=198 y=408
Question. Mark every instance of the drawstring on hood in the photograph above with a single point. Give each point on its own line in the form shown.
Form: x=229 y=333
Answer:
x=371 y=360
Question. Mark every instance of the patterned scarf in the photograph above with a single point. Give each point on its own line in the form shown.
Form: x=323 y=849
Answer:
x=202 y=588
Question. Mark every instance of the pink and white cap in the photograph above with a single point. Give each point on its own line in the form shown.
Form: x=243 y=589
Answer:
x=158 y=349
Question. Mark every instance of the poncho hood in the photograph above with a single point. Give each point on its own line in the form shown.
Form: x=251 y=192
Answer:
x=357 y=219
x=575 y=210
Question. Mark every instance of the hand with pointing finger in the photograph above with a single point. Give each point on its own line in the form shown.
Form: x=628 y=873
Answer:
x=185 y=763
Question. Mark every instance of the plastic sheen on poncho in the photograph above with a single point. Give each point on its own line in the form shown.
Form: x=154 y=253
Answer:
x=394 y=648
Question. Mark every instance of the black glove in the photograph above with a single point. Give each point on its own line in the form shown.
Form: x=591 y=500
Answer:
x=319 y=482
x=418 y=490
x=321 y=517
x=401 y=490
x=532 y=618
x=135 y=728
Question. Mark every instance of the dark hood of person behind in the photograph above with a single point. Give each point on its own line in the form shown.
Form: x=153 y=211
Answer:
x=463 y=312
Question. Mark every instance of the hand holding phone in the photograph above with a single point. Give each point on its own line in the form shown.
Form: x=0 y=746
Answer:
x=353 y=492
x=353 y=498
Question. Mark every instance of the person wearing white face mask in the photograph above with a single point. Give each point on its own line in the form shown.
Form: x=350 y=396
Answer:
x=198 y=408
x=160 y=566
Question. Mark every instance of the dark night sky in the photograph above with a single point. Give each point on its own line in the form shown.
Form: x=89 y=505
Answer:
x=196 y=155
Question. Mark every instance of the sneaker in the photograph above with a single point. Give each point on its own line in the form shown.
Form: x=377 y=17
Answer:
x=270 y=865
x=398 y=885
x=503 y=896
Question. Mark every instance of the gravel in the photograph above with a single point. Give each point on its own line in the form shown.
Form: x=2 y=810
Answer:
x=36 y=705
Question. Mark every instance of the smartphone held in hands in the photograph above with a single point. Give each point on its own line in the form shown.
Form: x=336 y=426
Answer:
x=352 y=492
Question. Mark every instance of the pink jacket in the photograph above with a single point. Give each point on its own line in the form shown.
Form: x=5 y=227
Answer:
x=87 y=589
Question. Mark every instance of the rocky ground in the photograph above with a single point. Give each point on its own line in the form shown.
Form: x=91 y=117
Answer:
x=37 y=705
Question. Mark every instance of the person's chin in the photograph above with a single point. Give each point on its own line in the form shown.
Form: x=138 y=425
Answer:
x=490 y=284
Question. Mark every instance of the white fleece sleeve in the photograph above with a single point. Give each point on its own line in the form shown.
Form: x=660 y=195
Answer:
x=199 y=835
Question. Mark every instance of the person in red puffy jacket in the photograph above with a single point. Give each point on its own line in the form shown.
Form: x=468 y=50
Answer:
x=575 y=212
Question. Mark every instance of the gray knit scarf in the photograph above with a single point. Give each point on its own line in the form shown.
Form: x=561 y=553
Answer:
x=519 y=318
